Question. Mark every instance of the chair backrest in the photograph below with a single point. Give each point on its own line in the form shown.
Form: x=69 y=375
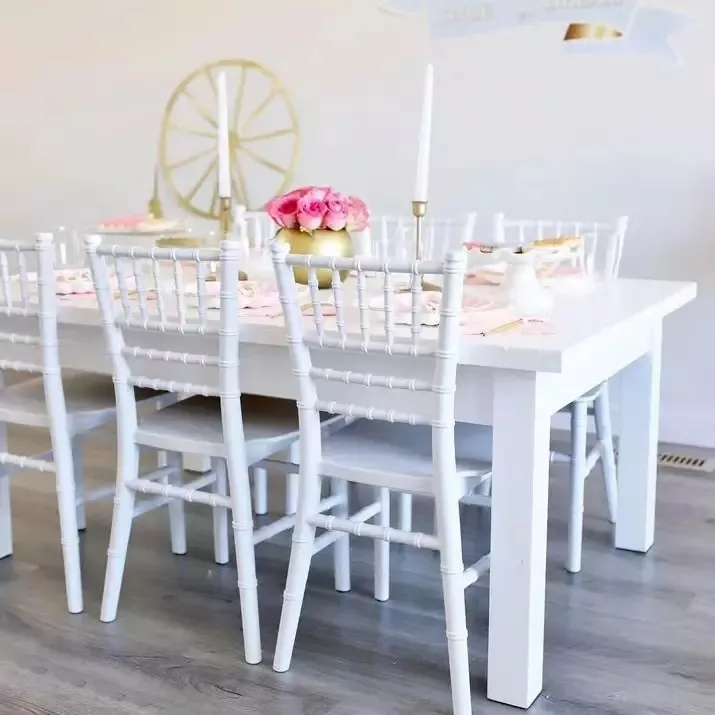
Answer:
x=358 y=332
x=28 y=298
x=393 y=237
x=69 y=251
x=259 y=226
x=144 y=293
x=602 y=241
x=30 y=304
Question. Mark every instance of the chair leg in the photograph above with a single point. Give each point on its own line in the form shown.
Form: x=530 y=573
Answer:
x=5 y=518
x=242 y=525
x=177 y=507
x=452 y=568
x=301 y=554
x=78 y=462
x=291 y=504
x=341 y=548
x=67 y=509
x=579 y=424
x=406 y=512
x=604 y=434
x=220 y=514
x=5 y=506
x=128 y=468
x=382 y=549
x=260 y=491
x=485 y=488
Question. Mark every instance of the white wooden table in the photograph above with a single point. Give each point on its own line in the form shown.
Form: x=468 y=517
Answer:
x=515 y=383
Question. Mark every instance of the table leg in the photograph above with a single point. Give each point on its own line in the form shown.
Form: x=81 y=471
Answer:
x=638 y=449
x=518 y=546
x=5 y=510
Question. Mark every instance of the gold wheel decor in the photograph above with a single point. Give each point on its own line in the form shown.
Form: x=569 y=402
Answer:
x=263 y=138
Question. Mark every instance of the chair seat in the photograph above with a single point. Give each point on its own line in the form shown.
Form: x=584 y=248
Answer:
x=589 y=397
x=90 y=402
x=194 y=426
x=399 y=456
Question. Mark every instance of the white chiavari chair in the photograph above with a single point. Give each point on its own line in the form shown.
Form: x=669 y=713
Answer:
x=390 y=237
x=394 y=236
x=235 y=431
x=255 y=229
x=602 y=244
x=260 y=228
x=600 y=256
x=405 y=439
x=68 y=404
x=69 y=248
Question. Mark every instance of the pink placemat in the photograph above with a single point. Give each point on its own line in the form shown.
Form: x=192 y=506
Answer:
x=258 y=299
x=549 y=274
x=503 y=321
x=76 y=282
x=480 y=316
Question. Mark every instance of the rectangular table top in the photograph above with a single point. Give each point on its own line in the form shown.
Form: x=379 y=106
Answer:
x=598 y=313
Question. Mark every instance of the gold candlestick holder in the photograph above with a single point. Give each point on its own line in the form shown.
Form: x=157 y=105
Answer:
x=224 y=217
x=225 y=222
x=419 y=211
x=224 y=229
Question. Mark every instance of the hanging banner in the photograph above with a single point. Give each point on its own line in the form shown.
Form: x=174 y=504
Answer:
x=648 y=33
x=591 y=26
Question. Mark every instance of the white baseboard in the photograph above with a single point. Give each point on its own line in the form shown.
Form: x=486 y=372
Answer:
x=693 y=426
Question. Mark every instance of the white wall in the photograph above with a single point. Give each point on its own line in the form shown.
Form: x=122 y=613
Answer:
x=520 y=126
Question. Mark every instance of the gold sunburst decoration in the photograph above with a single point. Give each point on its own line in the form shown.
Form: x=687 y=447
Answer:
x=263 y=137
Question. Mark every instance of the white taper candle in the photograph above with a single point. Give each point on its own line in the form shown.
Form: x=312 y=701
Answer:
x=224 y=158
x=423 y=155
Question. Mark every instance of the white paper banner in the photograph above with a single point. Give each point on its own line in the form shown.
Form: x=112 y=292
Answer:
x=649 y=33
x=593 y=25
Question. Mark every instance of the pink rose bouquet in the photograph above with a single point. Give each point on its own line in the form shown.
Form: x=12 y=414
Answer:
x=319 y=207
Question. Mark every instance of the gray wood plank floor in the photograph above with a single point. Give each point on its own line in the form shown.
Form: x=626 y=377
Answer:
x=630 y=635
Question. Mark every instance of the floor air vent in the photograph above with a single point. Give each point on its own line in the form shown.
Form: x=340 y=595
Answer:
x=684 y=461
x=681 y=461
x=668 y=460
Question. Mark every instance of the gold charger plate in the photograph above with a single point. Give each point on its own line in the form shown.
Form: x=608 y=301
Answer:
x=182 y=242
x=192 y=242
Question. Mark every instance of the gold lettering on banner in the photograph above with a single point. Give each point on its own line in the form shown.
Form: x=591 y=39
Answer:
x=561 y=5
x=584 y=31
x=470 y=13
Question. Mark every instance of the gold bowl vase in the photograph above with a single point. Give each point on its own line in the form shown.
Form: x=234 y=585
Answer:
x=320 y=242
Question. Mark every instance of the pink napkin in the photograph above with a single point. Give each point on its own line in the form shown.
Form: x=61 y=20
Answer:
x=77 y=282
x=77 y=297
x=484 y=277
x=561 y=270
x=257 y=299
x=487 y=276
x=482 y=323
x=479 y=316
x=262 y=299
x=68 y=281
x=402 y=302
x=258 y=295
x=431 y=300
x=327 y=309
